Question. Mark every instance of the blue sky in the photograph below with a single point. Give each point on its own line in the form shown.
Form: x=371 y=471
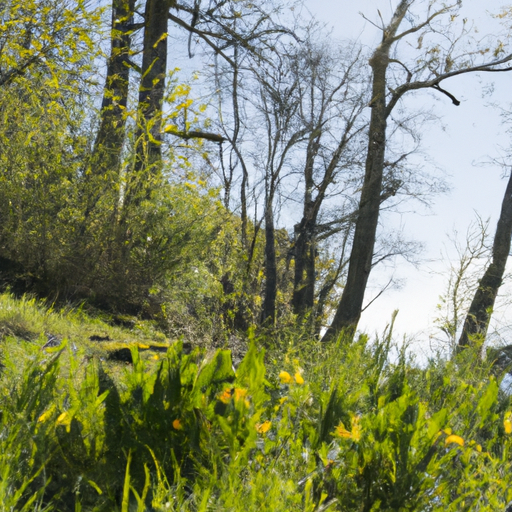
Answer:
x=465 y=138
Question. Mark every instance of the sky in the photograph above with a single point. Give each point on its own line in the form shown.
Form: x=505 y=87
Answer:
x=463 y=144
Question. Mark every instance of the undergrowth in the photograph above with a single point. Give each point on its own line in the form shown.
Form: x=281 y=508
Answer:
x=300 y=426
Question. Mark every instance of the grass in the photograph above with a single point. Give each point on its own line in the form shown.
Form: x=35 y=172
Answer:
x=303 y=426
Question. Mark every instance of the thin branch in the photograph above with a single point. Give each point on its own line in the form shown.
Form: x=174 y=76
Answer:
x=378 y=295
x=412 y=30
x=402 y=89
x=191 y=29
x=455 y=101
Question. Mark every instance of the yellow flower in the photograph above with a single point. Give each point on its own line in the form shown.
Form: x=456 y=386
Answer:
x=298 y=378
x=341 y=431
x=356 y=428
x=44 y=416
x=454 y=439
x=240 y=394
x=285 y=377
x=225 y=396
x=176 y=424
x=264 y=427
x=62 y=419
x=507 y=423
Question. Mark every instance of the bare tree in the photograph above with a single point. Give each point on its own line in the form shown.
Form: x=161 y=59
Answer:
x=427 y=71
x=283 y=132
x=479 y=314
x=332 y=99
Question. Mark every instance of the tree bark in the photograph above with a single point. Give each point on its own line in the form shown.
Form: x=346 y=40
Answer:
x=148 y=144
x=152 y=84
x=111 y=134
x=105 y=163
x=303 y=298
x=351 y=303
x=479 y=314
x=269 y=303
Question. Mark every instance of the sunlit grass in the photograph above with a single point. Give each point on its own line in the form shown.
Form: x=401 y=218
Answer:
x=303 y=426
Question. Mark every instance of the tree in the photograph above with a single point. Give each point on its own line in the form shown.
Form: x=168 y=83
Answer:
x=277 y=110
x=331 y=100
x=438 y=64
x=144 y=174
x=47 y=34
x=111 y=134
x=480 y=311
x=47 y=50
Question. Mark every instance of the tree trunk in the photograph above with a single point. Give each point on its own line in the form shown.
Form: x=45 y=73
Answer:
x=304 y=278
x=148 y=145
x=269 y=302
x=105 y=164
x=303 y=298
x=351 y=303
x=479 y=314
x=111 y=134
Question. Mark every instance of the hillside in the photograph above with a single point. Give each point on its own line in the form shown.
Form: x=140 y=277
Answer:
x=299 y=426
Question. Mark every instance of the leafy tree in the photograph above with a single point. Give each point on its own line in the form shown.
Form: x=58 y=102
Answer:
x=46 y=57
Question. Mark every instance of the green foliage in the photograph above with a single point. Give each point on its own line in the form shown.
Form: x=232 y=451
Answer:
x=336 y=427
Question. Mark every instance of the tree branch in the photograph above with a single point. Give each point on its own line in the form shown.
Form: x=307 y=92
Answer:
x=455 y=101
x=194 y=134
x=434 y=83
x=191 y=29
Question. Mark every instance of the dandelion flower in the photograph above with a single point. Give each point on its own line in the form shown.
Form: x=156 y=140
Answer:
x=341 y=431
x=225 y=396
x=356 y=428
x=298 y=379
x=507 y=423
x=176 y=424
x=240 y=394
x=454 y=439
x=264 y=427
x=285 y=377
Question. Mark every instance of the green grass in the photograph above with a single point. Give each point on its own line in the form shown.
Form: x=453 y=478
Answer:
x=303 y=426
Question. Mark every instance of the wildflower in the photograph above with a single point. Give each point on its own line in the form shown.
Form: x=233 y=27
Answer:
x=46 y=414
x=176 y=424
x=241 y=394
x=356 y=428
x=225 y=396
x=341 y=431
x=298 y=379
x=62 y=419
x=264 y=427
x=285 y=377
x=454 y=439
x=507 y=423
